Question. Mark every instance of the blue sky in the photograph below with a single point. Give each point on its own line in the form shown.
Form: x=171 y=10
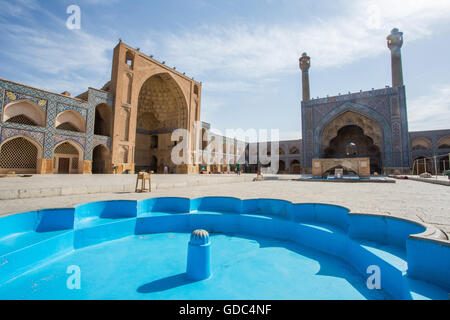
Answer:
x=245 y=52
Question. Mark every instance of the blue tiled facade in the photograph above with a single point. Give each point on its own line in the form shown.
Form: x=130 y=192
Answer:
x=434 y=137
x=398 y=151
x=386 y=107
x=381 y=114
x=53 y=104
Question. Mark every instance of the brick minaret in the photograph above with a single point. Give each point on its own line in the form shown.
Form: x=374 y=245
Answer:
x=395 y=42
x=305 y=63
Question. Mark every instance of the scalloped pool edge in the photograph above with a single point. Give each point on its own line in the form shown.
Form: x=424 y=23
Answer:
x=333 y=229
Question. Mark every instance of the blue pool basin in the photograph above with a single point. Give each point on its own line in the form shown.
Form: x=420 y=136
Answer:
x=260 y=249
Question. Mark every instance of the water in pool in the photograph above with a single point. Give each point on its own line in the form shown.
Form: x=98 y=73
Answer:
x=260 y=249
x=154 y=266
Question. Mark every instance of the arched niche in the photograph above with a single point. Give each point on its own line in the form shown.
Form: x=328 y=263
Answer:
x=20 y=154
x=24 y=112
x=369 y=127
x=162 y=108
x=70 y=120
x=281 y=166
x=351 y=142
x=444 y=143
x=103 y=120
x=68 y=158
x=377 y=127
x=421 y=144
x=101 y=159
x=295 y=166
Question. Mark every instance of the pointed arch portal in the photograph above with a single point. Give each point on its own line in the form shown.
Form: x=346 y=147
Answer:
x=353 y=135
x=162 y=108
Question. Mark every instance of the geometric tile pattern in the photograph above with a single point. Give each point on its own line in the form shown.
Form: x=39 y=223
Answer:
x=52 y=104
x=63 y=107
x=11 y=96
x=433 y=136
x=58 y=138
x=11 y=132
x=97 y=140
x=375 y=104
x=97 y=97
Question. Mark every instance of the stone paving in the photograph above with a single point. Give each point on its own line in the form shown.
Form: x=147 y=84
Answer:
x=411 y=199
x=443 y=180
x=40 y=186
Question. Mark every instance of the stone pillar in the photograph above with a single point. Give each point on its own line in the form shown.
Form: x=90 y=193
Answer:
x=305 y=63
x=395 y=42
x=87 y=167
x=44 y=166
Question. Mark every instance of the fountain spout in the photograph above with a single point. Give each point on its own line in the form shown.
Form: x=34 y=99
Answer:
x=199 y=256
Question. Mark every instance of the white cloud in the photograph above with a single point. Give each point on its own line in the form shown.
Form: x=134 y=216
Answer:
x=430 y=111
x=241 y=57
x=56 y=52
x=61 y=55
x=61 y=59
x=255 y=51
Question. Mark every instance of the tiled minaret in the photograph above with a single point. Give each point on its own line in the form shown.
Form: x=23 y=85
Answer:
x=395 y=42
x=305 y=63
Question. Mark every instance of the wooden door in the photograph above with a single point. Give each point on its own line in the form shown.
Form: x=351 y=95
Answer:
x=63 y=165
